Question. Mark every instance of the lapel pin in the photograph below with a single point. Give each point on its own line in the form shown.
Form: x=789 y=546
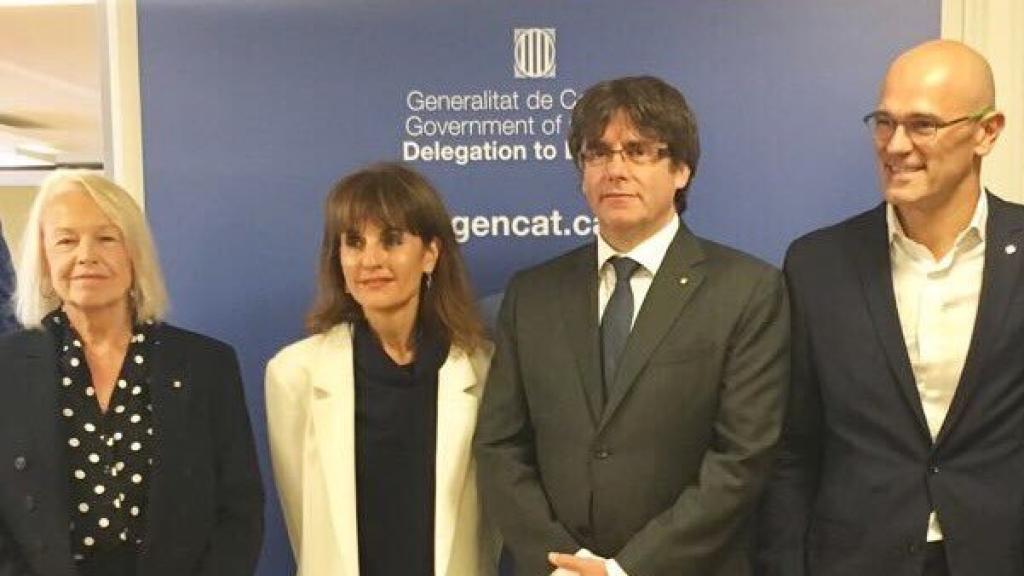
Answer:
x=177 y=384
x=1011 y=248
x=684 y=280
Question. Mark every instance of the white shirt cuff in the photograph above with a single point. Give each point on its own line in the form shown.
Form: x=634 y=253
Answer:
x=610 y=565
x=613 y=569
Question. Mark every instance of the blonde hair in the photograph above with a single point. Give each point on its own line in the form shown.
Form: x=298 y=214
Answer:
x=34 y=297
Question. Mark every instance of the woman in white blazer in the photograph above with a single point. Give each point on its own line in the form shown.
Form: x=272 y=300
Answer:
x=371 y=417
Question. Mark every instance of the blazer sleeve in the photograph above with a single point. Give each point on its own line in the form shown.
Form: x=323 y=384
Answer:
x=286 y=427
x=11 y=563
x=237 y=536
x=684 y=538
x=784 y=516
x=506 y=460
x=489 y=536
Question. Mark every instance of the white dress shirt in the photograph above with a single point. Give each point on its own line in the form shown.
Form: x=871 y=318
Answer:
x=937 y=302
x=648 y=254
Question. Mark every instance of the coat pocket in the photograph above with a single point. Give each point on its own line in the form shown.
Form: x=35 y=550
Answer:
x=829 y=534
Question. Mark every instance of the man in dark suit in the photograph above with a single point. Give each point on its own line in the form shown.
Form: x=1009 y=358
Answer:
x=7 y=321
x=637 y=389
x=903 y=451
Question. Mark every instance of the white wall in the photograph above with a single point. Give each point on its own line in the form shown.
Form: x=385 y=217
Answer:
x=993 y=27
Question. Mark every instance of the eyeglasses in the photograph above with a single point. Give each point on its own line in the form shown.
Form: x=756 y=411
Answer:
x=632 y=152
x=920 y=128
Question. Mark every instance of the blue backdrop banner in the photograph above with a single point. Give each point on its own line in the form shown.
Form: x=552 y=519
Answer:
x=252 y=109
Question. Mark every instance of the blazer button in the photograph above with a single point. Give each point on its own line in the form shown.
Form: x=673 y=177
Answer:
x=602 y=453
x=933 y=470
x=20 y=463
x=30 y=503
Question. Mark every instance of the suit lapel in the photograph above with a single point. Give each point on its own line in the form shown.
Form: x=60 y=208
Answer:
x=456 y=419
x=677 y=280
x=999 y=281
x=40 y=371
x=578 y=300
x=39 y=376
x=870 y=248
x=333 y=423
x=170 y=393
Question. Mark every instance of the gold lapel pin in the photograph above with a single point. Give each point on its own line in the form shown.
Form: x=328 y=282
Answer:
x=1011 y=248
x=177 y=384
x=684 y=280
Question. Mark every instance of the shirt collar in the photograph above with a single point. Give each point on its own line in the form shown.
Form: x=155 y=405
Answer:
x=648 y=253
x=977 y=223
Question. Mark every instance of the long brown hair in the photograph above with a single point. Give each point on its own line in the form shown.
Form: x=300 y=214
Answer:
x=393 y=195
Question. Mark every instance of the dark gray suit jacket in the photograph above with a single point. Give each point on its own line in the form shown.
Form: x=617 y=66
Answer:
x=205 y=502
x=859 y=474
x=665 y=477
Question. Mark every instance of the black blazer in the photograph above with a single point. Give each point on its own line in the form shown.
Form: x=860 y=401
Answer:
x=205 y=502
x=665 y=477
x=859 y=473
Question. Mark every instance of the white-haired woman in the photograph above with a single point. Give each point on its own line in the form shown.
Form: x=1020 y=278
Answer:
x=124 y=442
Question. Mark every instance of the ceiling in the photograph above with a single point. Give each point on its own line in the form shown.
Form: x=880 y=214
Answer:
x=50 y=78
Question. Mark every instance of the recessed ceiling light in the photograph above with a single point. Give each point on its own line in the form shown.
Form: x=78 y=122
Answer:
x=38 y=151
x=12 y=159
x=22 y=3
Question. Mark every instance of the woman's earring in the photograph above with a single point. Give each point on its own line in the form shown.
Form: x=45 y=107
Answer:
x=430 y=279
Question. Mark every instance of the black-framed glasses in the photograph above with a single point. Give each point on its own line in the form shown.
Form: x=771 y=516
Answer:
x=632 y=152
x=920 y=128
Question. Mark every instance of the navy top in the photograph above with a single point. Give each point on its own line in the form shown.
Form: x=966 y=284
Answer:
x=396 y=431
x=7 y=321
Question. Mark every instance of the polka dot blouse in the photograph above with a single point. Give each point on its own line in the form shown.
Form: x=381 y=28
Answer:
x=109 y=454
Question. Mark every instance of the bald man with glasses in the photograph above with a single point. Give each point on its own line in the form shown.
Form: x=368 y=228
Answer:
x=903 y=450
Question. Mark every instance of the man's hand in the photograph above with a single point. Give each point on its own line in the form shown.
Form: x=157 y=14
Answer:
x=592 y=566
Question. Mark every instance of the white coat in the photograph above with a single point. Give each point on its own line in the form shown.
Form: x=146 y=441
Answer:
x=311 y=423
